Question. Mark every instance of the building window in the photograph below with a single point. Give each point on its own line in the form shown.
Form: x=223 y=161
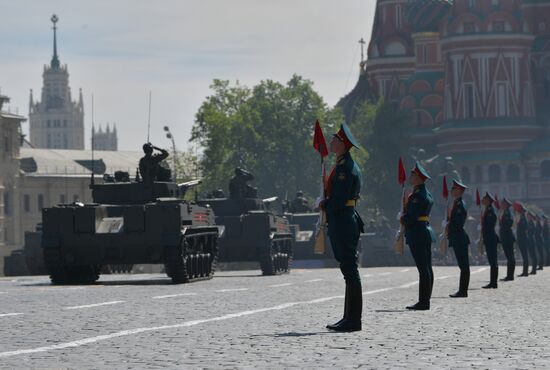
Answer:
x=469 y=104
x=498 y=26
x=494 y=173
x=7 y=204
x=469 y=27
x=40 y=202
x=471 y=3
x=6 y=144
x=398 y=16
x=512 y=173
x=502 y=100
x=544 y=170
x=495 y=2
x=465 y=173
x=62 y=198
x=425 y=52
x=479 y=174
x=27 y=202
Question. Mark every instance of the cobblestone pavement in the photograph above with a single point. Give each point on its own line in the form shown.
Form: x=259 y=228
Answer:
x=242 y=320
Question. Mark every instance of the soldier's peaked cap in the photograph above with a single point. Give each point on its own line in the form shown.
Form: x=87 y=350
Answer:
x=488 y=195
x=459 y=184
x=507 y=201
x=347 y=137
x=420 y=171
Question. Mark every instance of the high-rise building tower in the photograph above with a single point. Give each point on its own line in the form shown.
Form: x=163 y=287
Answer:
x=105 y=139
x=56 y=122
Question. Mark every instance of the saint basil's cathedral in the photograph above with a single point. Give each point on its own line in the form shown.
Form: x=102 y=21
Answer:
x=474 y=78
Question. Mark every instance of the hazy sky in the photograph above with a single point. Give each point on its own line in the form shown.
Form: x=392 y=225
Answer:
x=121 y=49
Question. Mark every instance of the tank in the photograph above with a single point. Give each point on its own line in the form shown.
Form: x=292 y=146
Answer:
x=253 y=232
x=130 y=223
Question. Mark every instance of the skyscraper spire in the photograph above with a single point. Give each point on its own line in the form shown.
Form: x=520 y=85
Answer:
x=55 y=60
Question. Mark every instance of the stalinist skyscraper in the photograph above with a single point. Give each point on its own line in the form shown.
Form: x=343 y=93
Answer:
x=56 y=122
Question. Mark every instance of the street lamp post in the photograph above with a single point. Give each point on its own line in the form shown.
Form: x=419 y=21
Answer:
x=174 y=152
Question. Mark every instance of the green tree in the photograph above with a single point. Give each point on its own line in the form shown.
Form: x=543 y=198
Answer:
x=382 y=127
x=267 y=130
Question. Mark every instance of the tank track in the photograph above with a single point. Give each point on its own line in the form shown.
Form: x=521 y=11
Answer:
x=60 y=274
x=277 y=259
x=195 y=260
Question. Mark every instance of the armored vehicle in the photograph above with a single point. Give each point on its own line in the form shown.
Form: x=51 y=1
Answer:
x=252 y=231
x=129 y=223
x=27 y=261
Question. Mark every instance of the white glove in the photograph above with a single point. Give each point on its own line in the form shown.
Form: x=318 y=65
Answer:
x=478 y=227
x=399 y=214
x=444 y=223
x=318 y=202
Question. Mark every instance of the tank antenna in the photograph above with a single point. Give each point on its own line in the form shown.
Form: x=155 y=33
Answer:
x=149 y=118
x=92 y=181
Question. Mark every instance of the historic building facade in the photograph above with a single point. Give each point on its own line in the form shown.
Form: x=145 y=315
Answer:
x=474 y=76
x=56 y=121
x=105 y=139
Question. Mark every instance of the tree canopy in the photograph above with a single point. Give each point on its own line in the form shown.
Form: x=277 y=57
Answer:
x=266 y=129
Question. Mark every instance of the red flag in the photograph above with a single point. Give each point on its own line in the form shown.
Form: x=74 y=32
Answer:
x=401 y=174
x=478 y=198
x=445 y=188
x=518 y=207
x=497 y=203
x=319 y=142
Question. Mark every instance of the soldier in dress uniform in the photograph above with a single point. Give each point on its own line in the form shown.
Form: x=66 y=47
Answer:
x=419 y=234
x=539 y=241
x=522 y=235
x=531 y=228
x=345 y=225
x=490 y=238
x=507 y=238
x=546 y=238
x=458 y=238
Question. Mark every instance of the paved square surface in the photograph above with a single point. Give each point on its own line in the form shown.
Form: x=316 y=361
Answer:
x=243 y=320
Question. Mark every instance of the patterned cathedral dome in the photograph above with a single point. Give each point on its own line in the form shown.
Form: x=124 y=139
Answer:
x=426 y=15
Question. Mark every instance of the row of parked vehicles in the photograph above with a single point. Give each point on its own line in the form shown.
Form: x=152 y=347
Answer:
x=140 y=222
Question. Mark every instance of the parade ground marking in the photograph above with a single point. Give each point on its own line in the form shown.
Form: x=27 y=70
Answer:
x=124 y=333
x=93 y=305
x=173 y=295
x=11 y=314
x=405 y=270
x=231 y=290
x=280 y=285
x=313 y=280
x=384 y=273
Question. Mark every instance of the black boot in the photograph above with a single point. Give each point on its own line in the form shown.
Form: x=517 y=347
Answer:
x=346 y=308
x=463 y=285
x=509 y=273
x=355 y=310
x=494 y=277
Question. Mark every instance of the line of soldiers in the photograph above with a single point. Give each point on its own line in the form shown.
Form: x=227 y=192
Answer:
x=532 y=236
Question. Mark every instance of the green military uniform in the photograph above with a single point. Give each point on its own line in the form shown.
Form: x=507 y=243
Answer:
x=420 y=236
x=546 y=238
x=539 y=242
x=531 y=228
x=507 y=240
x=344 y=229
x=522 y=235
x=490 y=240
x=459 y=241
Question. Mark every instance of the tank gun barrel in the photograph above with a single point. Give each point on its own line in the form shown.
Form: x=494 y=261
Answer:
x=270 y=200
x=184 y=186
